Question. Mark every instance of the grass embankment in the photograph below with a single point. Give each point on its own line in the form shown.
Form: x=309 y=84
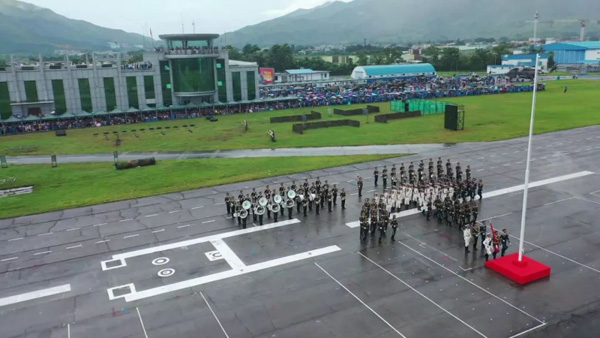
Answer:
x=488 y=118
x=79 y=184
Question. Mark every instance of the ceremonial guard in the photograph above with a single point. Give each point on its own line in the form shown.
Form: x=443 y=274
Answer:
x=467 y=238
x=343 y=198
x=364 y=226
x=329 y=201
x=381 y=230
x=298 y=200
x=448 y=168
x=290 y=208
x=317 y=203
x=394 y=223
x=482 y=231
x=376 y=175
x=360 y=184
x=429 y=208
x=487 y=244
x=305 y=204
x=228 y=203
x=384 y=176
x=318 y=185
x=267 y=194
x=334 y=193
x=458 y=172
x=505 y=241
x=468 y=172
x=474 y=235
x=480 y=189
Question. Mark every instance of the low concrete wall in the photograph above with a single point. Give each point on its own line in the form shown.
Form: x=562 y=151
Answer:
x=396 y=116
x=301 y=127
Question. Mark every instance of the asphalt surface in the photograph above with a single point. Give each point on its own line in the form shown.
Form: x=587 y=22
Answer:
x=175 y=266
x=269 y=152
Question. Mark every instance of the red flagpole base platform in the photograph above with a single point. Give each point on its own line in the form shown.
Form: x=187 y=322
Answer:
x=524 y=272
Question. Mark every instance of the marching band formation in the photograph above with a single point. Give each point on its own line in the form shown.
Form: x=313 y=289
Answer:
x=275 y=202
x=446 y=195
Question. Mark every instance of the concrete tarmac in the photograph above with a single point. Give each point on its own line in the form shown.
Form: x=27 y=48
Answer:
x=176 y=266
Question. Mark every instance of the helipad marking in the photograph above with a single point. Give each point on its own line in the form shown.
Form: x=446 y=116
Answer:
x=228 y=274
x=497 y=192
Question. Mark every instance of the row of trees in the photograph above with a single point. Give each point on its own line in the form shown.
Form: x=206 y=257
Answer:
x=450 y=59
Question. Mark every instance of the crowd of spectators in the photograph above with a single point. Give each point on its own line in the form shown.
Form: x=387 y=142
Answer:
x=305 y=95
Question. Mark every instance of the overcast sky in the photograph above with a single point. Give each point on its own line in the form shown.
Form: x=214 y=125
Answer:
x=166 y=16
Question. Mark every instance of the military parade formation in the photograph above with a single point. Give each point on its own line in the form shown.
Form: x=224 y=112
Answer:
x=442 y=192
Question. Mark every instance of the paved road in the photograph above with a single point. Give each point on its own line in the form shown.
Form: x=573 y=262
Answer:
x=176 y=266
x=275 y=152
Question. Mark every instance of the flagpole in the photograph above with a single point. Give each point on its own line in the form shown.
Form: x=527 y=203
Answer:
x=526 y=186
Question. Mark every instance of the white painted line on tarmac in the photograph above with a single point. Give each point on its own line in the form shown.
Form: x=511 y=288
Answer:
x=527 y=331
x=74 y=247
x=470 y=282
x=360 y=300
x=15 y=239
x=46 y=234
x=422 y=295
x=126 y=220
x=35 y=295
x=562 y=200
x=199 y=207
x=141 y=322
x=157 y=231
x=183 y=226
x=104 y=241
x=8 y=259
x=214 y=315
x=100 y=224
x=73 y=229
x=174 y=211
x=220 y=203
x=190 y=242
x=151 y=215
x=42 y=253
x=230 y=257
x=131 y=236
x=68 y=330
x=354 y=194
x=212 y=220
x=478 y=170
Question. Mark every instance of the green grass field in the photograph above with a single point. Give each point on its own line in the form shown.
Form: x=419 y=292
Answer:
x=488 y=118
x=80 y=184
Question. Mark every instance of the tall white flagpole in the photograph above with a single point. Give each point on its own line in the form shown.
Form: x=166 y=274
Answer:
x=526 y=187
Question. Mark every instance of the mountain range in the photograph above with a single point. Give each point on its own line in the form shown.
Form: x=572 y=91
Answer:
x=404 y=21
x=26 y=28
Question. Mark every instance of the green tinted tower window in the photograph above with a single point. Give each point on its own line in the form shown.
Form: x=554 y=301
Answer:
x=31 y=91
x=149 y=87
x=110 y=93
x=132 y=92
x=5 y=110
x=236 y=78
x=60 y=101
x=221 y=80
x=193 y=75
x=85 y=94
x=165 y=83
x=250 y=78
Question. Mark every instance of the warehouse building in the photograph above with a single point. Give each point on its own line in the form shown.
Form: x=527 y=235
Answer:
x=190 y=71
x=579 y=52
x=390 y=72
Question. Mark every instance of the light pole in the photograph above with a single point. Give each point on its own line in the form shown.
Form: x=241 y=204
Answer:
x=526 y=187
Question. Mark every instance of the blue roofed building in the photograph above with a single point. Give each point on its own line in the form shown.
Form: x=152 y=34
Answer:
x=576 y=52
x=393 y=71
x=525 y=60
x=302 y=75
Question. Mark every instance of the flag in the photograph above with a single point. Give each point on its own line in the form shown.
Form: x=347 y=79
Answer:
x=496 y=247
